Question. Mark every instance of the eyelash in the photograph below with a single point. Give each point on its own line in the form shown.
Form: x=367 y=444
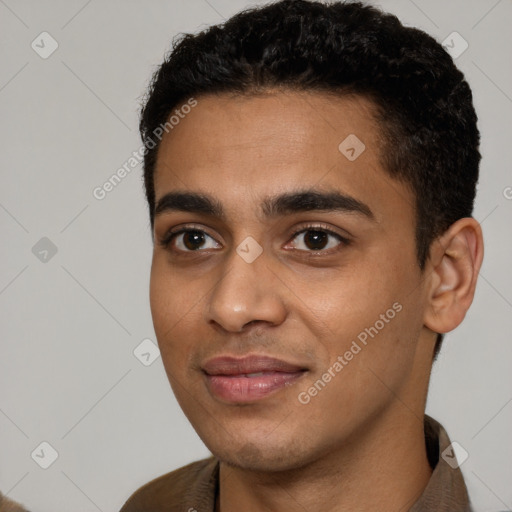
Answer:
x=171 y=234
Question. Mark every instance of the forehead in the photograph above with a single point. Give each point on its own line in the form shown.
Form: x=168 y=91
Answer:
x=241 y=149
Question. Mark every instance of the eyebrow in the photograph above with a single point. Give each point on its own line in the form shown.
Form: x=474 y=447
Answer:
x=272 y=206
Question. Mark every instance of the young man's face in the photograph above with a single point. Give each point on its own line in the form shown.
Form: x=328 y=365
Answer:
x=309 y=299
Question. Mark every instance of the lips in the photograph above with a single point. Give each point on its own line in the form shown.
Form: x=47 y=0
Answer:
x=248 y=365
x=248 y=379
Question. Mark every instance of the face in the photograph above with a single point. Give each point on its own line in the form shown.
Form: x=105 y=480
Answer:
x=289 y=315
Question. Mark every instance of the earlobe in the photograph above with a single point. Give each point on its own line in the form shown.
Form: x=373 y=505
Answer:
x=456 y=260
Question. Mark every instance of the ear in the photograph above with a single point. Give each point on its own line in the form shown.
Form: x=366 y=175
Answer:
x=455 y=260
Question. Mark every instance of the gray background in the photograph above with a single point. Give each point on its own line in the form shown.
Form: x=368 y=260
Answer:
x=71 y=321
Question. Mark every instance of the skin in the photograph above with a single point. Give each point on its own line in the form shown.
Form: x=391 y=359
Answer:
x=359 y=443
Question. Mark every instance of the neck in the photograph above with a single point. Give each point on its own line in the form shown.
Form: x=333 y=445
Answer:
x=384 y=468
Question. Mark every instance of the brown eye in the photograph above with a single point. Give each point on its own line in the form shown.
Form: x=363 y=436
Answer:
x=193 y=240
x=316 y=239
x=189 y=240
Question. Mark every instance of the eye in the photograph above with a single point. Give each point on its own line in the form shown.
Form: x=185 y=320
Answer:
x=189 y=240
x=312 y=238
x=318 y=239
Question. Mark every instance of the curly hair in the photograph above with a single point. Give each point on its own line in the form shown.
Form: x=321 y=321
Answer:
x=423 y=103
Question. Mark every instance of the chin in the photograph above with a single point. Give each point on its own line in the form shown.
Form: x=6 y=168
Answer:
x=262 y=456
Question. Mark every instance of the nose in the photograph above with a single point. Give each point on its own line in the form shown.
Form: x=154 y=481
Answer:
x=247 y=293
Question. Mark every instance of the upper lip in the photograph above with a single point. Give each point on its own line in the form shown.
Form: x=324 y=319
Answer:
x=229 y=365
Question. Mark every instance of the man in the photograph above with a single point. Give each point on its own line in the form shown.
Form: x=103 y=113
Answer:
x=310 y=171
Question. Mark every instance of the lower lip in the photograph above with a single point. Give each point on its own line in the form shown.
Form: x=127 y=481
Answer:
x=241 y=389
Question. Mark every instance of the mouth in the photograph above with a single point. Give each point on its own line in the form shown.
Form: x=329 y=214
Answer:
x=249 y=379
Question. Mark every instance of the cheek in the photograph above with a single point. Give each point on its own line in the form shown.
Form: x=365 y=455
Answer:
x=170 y=294
x=161 y=299
x=170 y=311
x=368 y=378
x=374 y=322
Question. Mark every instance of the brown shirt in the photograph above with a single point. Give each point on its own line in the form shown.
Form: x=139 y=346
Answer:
x=7 y=505
x=194 y=488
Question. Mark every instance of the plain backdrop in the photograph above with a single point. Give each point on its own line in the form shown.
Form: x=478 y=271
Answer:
x=74 y=271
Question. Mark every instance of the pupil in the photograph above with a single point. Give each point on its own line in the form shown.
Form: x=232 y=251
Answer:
x=196 y=236
x=313 y=238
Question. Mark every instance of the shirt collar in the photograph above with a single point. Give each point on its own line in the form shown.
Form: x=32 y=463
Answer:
x=446 y=490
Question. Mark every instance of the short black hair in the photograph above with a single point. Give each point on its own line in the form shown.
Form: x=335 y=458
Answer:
x=423 y=103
